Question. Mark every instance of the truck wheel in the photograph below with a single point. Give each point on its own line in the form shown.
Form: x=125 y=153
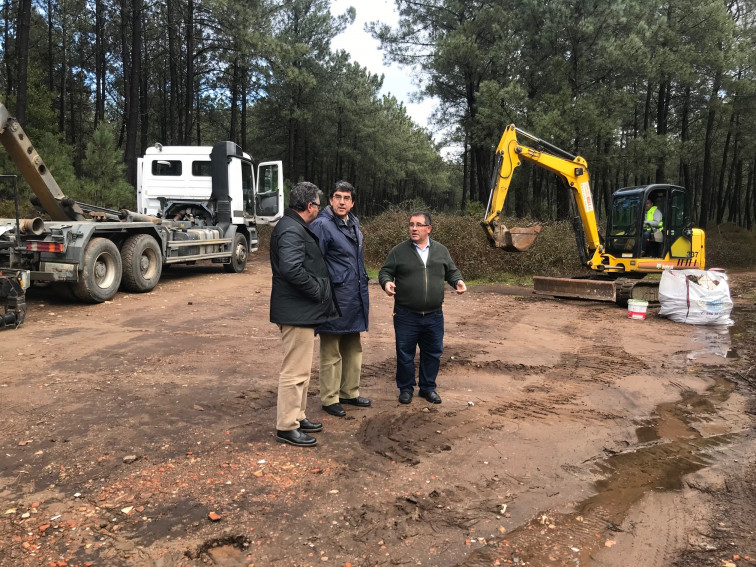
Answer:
x=142 y=263
x=100 y=272
x=239 y=255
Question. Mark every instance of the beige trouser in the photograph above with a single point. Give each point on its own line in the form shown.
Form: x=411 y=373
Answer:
x=340 y=363
x=298 y=343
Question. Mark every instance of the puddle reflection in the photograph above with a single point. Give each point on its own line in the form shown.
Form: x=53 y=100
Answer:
x=716 y=340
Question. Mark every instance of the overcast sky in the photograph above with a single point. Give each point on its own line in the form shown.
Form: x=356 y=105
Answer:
x=365 y=50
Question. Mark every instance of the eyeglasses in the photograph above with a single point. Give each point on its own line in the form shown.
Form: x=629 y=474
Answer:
x=417 y=225
x=345 y=198
x=316 y=204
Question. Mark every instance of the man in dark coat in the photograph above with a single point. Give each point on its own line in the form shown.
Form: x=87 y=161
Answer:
x=340 y=238
x=301 y=299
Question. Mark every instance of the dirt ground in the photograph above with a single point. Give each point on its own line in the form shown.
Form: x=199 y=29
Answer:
x=568 y=435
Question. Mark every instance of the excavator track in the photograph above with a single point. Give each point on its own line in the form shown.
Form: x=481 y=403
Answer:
x=645 y=290
x=617 y=291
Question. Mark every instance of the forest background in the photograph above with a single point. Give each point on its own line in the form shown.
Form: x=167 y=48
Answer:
x=645 y=90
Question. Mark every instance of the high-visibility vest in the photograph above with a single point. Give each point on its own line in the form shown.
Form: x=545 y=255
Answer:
x=650 y=216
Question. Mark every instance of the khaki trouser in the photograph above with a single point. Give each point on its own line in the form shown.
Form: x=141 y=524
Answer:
x=298 y=344
x=340 y=364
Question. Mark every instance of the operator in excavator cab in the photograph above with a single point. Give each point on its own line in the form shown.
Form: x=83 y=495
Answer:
x=652 y=226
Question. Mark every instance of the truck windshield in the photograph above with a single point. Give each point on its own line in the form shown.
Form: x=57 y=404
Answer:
x=625 y=211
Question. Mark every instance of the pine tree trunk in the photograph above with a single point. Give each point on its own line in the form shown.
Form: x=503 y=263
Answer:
x=243 y=96
x=22 y=56
x=685 y=137
x=174 y=120
x=722 y=192
x=144 y=103
x=706 y=181
x=50 y=46
x=132 y=119
x=100 y=62
x=189 y=82
x=662 y=114
x=63 y=75
x=9 y=71
x=465 y=184
x=233 y=132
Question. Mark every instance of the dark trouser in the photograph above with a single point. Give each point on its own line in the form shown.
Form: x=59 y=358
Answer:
x=427 y=331
x=649 y=246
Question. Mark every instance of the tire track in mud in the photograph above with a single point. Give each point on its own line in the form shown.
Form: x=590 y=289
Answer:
x=407 y=437
x=559 y=388
x=603 y=364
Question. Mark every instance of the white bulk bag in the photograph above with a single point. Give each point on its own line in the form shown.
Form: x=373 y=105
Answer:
x=698 y=297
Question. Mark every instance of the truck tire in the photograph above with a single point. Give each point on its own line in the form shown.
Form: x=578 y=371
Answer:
x=142 y=263
x=239 y=255
x=100 y=272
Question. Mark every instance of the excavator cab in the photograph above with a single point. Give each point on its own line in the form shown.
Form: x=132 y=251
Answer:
x=626 y=236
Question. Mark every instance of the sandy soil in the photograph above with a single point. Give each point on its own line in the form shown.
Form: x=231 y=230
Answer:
x=568 y=435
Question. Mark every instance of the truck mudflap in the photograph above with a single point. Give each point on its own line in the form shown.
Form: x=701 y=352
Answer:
x=617 y=291
x=12 y=301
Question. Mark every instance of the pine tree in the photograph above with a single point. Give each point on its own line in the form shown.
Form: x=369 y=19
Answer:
x=103 y=166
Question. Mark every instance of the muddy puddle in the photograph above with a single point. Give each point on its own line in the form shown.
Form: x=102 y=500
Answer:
x=669 y=447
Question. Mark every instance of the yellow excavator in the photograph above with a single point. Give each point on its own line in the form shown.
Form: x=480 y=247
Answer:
x=632 y=247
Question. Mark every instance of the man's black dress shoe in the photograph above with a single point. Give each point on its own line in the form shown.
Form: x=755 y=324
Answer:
x=310 y=426
x=295 y=437
x=335 y=409
x=358 y=401
x=405 y=397
x=432 y=397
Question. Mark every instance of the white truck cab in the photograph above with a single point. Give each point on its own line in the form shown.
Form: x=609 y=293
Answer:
x=176 y=182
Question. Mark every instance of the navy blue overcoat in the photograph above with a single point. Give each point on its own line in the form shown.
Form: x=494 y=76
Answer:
x=341 y=245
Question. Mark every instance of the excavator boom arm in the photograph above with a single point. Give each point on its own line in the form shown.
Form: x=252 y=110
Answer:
x=573 y=170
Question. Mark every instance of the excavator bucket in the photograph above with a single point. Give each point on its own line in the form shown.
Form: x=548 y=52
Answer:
x=516 y=239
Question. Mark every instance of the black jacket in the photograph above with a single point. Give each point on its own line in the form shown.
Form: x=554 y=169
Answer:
x=302 y=294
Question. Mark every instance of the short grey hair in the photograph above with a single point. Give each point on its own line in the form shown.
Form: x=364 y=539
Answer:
x=423 y=214
x=302 y=194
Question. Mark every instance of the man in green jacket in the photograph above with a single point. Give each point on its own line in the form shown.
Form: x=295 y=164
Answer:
x=414 y=274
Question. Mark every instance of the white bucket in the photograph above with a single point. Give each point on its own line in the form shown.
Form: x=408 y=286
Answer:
x=636 y=308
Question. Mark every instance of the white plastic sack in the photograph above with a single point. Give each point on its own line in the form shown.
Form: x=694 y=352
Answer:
x=697 y=297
